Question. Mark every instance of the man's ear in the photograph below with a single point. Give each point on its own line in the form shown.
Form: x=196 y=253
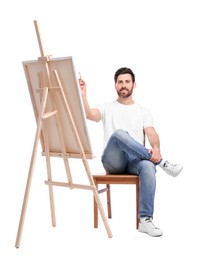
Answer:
x=134 y=85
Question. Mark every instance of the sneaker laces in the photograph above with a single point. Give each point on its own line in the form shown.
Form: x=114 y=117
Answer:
x=167 y=163
x=149 y=220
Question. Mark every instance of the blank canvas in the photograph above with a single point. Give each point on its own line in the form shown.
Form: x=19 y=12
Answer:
x=65 y=69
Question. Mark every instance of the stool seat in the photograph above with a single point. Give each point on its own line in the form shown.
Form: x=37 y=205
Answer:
x=112 y=178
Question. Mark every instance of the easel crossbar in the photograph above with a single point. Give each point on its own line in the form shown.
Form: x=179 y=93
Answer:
x=48 y=114
x=70 y=185
x=52 y=89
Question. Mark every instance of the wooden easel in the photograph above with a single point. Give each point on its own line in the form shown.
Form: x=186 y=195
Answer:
x=50 y=95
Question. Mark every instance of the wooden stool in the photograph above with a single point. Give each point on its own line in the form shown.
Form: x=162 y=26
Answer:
x=108 y=179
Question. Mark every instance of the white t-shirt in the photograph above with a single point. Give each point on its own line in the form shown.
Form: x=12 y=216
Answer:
x=131 y=118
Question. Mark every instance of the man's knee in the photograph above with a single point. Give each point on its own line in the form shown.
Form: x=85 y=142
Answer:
x=147 y=167
x=119 y=134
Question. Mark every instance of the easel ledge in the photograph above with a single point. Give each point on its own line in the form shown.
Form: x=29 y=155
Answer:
x=69 y=155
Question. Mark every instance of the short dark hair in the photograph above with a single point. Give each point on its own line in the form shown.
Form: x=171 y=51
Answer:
x=124 y=70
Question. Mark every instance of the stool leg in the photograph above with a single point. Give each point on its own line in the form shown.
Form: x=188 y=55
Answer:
x=95 y=211
x=108 y=193
x=137 y=203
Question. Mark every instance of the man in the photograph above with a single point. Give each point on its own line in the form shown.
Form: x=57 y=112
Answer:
x=126 y=124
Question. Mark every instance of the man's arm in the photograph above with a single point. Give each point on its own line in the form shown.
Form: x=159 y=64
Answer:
x=155 y=144
x=91 y=113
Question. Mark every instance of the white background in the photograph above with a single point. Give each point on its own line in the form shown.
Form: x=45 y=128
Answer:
x=162 y=42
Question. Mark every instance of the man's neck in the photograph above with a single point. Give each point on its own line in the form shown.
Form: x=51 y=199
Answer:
x=125 y=101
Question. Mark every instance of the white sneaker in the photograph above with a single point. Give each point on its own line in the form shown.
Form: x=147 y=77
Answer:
x=147 y=226
x=171 y=169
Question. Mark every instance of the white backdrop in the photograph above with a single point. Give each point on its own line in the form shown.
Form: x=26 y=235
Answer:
x=162 y=42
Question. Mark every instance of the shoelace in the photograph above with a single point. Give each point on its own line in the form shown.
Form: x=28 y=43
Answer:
x=149 y=220
x=166 y=164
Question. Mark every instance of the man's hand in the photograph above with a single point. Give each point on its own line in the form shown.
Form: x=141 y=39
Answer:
x=83 y=86
x=156 y=156
x=91 y=113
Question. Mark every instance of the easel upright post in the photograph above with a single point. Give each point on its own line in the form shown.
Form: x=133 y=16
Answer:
x=41 y=48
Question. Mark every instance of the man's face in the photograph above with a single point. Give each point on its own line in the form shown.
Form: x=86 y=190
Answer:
x=124 y=85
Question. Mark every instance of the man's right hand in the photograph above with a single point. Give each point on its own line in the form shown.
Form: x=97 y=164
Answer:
x=83 y=86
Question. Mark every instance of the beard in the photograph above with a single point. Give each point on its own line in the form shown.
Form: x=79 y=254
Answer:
x=126 y=94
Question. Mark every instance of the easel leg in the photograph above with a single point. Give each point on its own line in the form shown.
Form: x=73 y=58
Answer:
x=51 y=193
x=49 y=176
x=103 y=215
x=97 y=199
x=96 y=195
x=31 y=170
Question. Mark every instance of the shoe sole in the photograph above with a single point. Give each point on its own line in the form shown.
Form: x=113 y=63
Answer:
x=152 y=235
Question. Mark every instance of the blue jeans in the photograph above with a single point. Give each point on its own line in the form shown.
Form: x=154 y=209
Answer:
x=125 y=155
